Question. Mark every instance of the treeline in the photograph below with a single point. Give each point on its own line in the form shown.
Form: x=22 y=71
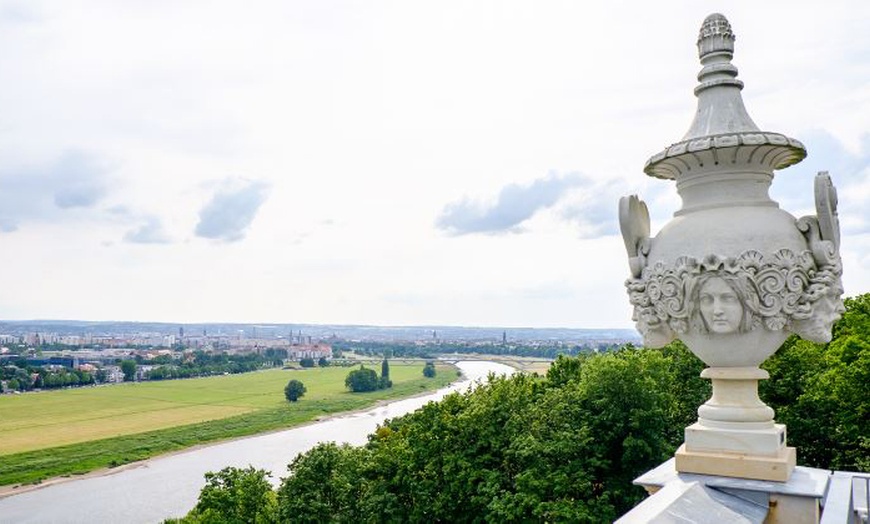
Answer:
x=18 y=375
x=21 y=377
x=411 y=350
x=202 y=363
x=559 y=448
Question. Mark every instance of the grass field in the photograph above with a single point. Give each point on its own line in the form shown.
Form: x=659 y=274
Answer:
x=78 y=430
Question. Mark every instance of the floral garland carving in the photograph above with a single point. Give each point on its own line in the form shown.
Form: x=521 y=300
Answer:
x=786 y=285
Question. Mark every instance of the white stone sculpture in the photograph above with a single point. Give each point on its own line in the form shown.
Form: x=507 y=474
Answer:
x=732 y=275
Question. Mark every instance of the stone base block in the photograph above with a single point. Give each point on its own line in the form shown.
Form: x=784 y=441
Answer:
x=767 y=442
x=777 y=468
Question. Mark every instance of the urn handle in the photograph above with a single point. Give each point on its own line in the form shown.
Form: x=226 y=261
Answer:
x=634 y=224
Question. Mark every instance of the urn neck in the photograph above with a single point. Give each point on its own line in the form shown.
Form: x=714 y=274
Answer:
x=701 y=191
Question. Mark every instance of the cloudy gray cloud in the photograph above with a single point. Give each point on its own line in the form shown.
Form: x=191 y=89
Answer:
x=76 y=179
x=514 y=205
x=80 y=182
x=19 y=13
x=594 y=215
x=228 y=214
x=151 y=232
x=850 y=172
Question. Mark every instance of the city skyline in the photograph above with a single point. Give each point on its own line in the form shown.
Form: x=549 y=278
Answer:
x=383 y=164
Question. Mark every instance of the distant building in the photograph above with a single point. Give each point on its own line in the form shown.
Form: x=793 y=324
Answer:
x=315 y=351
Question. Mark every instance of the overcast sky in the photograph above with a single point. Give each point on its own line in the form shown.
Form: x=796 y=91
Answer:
x=375 y=162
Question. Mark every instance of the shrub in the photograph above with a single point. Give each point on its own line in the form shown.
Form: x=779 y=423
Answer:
x=362 y=379
x=294 y=390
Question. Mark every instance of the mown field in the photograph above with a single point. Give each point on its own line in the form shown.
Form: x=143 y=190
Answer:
x=78 y=430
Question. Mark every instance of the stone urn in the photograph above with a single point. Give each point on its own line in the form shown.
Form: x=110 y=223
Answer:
x=732 y=275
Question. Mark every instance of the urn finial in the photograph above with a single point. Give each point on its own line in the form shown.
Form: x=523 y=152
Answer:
x=720 y=105
x=722 y=127
x=715 y=35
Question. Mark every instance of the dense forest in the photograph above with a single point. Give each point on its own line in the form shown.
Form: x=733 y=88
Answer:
x=559 y=448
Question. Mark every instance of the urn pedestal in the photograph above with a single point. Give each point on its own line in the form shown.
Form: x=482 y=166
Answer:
x=732 y=275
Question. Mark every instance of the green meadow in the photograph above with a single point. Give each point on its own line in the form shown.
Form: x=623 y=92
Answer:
x=74 y=431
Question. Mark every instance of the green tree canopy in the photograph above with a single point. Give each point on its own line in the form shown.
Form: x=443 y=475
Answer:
x=128 y=367
x=235 y=496
x=362 y=379
x=294 y=390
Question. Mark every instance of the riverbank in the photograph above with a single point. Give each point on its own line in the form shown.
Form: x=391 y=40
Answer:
x=76 y=460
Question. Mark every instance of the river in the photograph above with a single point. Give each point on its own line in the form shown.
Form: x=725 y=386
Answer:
x=163 y=487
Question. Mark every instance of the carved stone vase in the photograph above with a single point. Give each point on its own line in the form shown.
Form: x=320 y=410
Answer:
x=732 y=274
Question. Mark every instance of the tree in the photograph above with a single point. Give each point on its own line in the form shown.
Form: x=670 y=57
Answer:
x=429 y=370
x=384 y=382
x=235 y=496
x=809 y=379
x=362 y=379
x=322 y=362
x=516 y=449
x=307 y=362
x=324 y=485
x=128 y=367
x=294 y=390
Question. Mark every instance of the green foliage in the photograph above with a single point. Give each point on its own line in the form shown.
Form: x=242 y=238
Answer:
x=385 y=368
x=523 y=448
x=294 y=390
x=205 y=363
x=307 y=362
x=324 y=484
x=428 y=350
x=322 y=362
x=820 y=392
x=128 y=367
x=362 y=379
x=689 y=390
x=429 y=370
x=235 y=496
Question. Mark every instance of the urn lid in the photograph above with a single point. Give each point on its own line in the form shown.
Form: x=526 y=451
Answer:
x=721 y=121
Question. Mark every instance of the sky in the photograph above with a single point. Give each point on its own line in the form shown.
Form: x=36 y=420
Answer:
x=384 y=162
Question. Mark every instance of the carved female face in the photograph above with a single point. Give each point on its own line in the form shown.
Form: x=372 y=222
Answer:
x=720 y=306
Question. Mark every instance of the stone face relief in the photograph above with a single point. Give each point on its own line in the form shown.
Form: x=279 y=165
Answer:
x=785 y=291
x=721 y=307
